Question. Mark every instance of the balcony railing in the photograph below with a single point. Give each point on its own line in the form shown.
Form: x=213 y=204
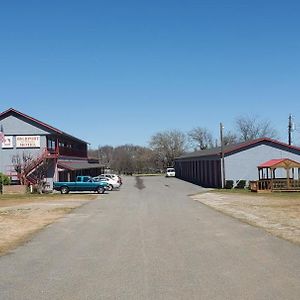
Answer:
x=72 y=152
x=275 y=185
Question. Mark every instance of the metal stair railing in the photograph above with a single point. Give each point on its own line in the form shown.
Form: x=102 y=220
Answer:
x=37 y=163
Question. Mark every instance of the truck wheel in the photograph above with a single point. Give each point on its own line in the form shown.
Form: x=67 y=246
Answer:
x=100 y=190
x=64 y=190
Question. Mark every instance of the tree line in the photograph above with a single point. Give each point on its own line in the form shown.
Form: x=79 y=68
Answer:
x=165 y=146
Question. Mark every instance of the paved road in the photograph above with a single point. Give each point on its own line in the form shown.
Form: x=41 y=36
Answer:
x=151 y=241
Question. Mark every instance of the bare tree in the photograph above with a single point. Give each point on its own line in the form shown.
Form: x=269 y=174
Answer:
x=21 y=163
x=201 y=138
x=127 y=158
x=230 y=138
x=105 y=154
x=167 y=145
x=123 y=157
x=25 y=162
x=249 y=128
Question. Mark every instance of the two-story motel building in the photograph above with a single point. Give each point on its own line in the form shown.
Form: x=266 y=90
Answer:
x=66 y=155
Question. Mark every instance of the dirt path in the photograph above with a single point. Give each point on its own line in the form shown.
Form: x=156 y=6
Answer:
x=278 y=216
x=21 y=218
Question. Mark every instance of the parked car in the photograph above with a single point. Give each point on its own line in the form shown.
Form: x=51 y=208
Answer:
x=82 y=183
x=170 y=172
x=111 y=183
x=114 y=177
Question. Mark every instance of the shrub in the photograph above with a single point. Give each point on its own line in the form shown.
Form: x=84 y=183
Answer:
x=5 y=180
x=229 y=184
x=241 y=184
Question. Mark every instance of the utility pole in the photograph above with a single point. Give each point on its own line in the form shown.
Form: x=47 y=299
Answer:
x=290 y=129
x=222 y=156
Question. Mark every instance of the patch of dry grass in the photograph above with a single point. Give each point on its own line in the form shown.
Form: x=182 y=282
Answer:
x=12 y=200
x=22 y=216
x=278 y=214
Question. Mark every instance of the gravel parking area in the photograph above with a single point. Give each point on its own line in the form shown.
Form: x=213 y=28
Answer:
x=278 y=215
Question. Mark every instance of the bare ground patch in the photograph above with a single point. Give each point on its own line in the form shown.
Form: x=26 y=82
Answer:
x=21 y=217
x=279 y=216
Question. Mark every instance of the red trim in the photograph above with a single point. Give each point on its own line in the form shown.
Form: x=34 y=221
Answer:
x=59 y=164
x=12 y=110
x=254 y=142
x=72 y=157
x=274 y=162
x=271 y=163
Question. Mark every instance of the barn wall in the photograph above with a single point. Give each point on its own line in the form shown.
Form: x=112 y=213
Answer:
x=204 y=172
x=243 y=165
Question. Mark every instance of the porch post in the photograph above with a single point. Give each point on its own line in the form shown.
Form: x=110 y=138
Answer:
x=288 y=178
x=272 y=177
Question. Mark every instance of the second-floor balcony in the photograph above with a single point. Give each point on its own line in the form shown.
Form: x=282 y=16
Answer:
x=64 y=147
x=61 y=151
x=71 y=152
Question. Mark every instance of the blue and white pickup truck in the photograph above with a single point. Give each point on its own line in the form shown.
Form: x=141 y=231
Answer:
x=82 y=183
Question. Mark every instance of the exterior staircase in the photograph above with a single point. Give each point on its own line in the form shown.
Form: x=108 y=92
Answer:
x=28 y=175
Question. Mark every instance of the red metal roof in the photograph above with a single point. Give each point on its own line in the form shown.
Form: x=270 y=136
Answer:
x=256 y=141
x=230 y=149
x=51 y=128
x=12 y=110
x=273 y=162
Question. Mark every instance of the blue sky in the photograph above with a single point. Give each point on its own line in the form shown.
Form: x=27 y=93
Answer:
x=115 y=72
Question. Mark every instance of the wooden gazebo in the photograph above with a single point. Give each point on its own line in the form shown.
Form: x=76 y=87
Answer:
x=282 y=175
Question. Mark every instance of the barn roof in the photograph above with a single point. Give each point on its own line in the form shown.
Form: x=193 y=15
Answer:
x=12 y=111
x=231 y=149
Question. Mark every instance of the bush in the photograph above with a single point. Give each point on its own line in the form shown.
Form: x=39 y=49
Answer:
x=241 y=184
x=5 y=180
x=229 y=184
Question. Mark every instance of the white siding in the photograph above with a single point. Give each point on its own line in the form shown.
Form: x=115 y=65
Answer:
x=13 y=126
x=243 y=165
x=16 y=126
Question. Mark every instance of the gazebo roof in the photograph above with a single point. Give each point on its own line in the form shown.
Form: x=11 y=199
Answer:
x=285 y=163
